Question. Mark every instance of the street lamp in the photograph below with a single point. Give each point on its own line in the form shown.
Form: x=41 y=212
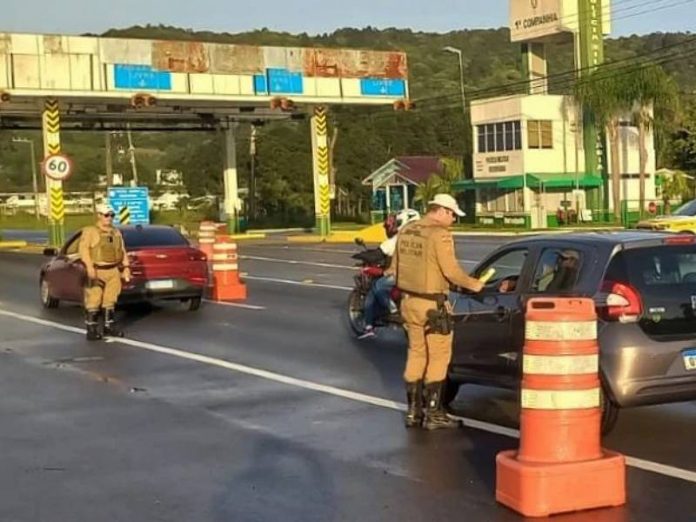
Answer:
x=458 y=52
x=34 y=179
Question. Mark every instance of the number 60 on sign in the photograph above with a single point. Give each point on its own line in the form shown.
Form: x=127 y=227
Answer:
x=58 y=167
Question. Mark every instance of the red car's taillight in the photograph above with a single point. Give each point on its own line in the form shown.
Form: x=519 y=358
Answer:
x=623 y=303
x=197 y=256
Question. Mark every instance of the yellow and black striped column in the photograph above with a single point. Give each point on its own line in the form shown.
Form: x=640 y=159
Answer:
x=320 y=153
x=124 y=216
x=54 y=189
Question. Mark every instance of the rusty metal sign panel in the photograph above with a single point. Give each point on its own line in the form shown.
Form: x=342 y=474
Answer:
x=236 y=59
x=137 y=52
x=180 y=57
x=332 y=63
x=5 y=43
x=55 y=44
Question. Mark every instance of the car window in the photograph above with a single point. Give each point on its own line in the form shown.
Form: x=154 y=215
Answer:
x=688 y=209
x=557 y=271
x=665 y=278
x=508 y=269
x=72 y=247
x=143 y=237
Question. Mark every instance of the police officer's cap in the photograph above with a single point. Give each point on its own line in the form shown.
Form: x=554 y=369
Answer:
x=448 y=202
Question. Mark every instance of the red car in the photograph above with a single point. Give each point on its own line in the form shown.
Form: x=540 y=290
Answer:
x=163 y=263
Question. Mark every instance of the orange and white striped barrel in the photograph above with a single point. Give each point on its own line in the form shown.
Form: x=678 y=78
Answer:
x=206 y=237
x=560 y=466
x=561 y=390
x=225 y=265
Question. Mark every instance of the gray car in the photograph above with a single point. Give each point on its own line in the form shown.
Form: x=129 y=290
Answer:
x=644 y=287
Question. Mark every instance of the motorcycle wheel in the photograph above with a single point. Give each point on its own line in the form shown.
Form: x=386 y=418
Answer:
x=356 y=313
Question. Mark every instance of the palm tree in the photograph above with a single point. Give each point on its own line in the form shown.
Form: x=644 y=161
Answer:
x=428 y=190
x=452 y=170
x=604 y=93
x=652 y=92
x=674 y=187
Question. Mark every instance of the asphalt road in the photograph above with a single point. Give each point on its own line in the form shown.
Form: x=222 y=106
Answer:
x=266 y=412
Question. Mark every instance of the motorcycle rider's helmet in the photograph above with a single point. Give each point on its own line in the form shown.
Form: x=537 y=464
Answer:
x=405 y=217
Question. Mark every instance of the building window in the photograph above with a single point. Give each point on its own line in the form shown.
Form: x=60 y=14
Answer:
x=540 y=134
x=499 y=137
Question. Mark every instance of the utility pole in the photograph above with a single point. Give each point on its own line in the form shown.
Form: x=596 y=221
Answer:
x=131 y=151
x=34 y=177
x=252 y=174
x=458 y=52
x=109 y=159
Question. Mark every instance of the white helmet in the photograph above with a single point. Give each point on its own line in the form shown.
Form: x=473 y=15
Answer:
x=407 y=216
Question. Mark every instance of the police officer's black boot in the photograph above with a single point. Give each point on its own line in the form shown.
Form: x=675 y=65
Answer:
x=110 y=327
x=414 y=396
x=92 y=325
x=435 y=416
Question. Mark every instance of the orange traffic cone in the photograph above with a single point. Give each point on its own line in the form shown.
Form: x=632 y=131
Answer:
x=560 y=466
x=226 y=283
x=206 y=238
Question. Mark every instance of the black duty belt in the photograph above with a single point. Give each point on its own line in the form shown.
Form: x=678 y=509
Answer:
x=438 y=298
x=107 y=267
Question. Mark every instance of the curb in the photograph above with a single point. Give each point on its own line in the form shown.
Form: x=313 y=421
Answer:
x=242 y=237
x=11 y=245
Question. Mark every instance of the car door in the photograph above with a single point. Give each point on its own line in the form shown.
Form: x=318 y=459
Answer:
x=66 y=275
x=483 y=331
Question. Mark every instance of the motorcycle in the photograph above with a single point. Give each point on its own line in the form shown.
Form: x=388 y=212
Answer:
x=372 y=264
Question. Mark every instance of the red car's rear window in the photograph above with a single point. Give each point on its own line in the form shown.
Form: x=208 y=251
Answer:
x=144 y=237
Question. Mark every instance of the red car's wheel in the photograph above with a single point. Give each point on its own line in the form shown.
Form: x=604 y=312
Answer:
x=47 y=300
x=194 y=303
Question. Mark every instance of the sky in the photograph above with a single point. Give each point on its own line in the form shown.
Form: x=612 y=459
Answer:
x=311 y=16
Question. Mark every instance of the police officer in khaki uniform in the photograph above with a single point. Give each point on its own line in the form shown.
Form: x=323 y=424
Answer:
x=425 y=266
x=103 y=252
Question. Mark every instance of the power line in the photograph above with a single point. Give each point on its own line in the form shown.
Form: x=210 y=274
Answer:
x=563 y=74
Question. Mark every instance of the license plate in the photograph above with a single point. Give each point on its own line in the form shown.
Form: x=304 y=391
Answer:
x=165 y=284
x=690 y=360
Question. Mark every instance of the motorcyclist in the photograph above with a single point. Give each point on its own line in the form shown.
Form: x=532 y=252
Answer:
x=379 y=295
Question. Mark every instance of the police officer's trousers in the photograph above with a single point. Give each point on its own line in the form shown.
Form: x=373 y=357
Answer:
x=428 y=355
x=104 y=292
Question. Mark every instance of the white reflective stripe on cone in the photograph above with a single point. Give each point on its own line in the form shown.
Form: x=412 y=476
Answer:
x=224 y=257
x=561 y=331
x=560 y=399
x=206 y=241
x=221 y=267
x=225 y=246
x=560 y=364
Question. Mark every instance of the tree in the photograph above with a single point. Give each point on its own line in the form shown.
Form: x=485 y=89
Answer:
x=681 y=152
x=427 y=191
x=603 y=92
x=674 y=187
x=654 y=94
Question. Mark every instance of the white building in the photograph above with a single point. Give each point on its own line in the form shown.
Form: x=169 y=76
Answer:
x=529 y=162
x=530 y=166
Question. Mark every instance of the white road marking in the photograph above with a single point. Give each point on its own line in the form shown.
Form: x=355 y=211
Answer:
x=295 y=262
x=296 y=283
x=235 y=305
x=304 y=249
x=646 y=465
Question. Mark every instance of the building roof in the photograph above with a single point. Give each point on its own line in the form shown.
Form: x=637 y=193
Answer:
x=411 y=169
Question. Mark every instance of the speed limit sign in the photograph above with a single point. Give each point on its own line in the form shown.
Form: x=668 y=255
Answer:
x=58 y=167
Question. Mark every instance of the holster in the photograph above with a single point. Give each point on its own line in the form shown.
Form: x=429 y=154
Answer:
x=440 y=320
